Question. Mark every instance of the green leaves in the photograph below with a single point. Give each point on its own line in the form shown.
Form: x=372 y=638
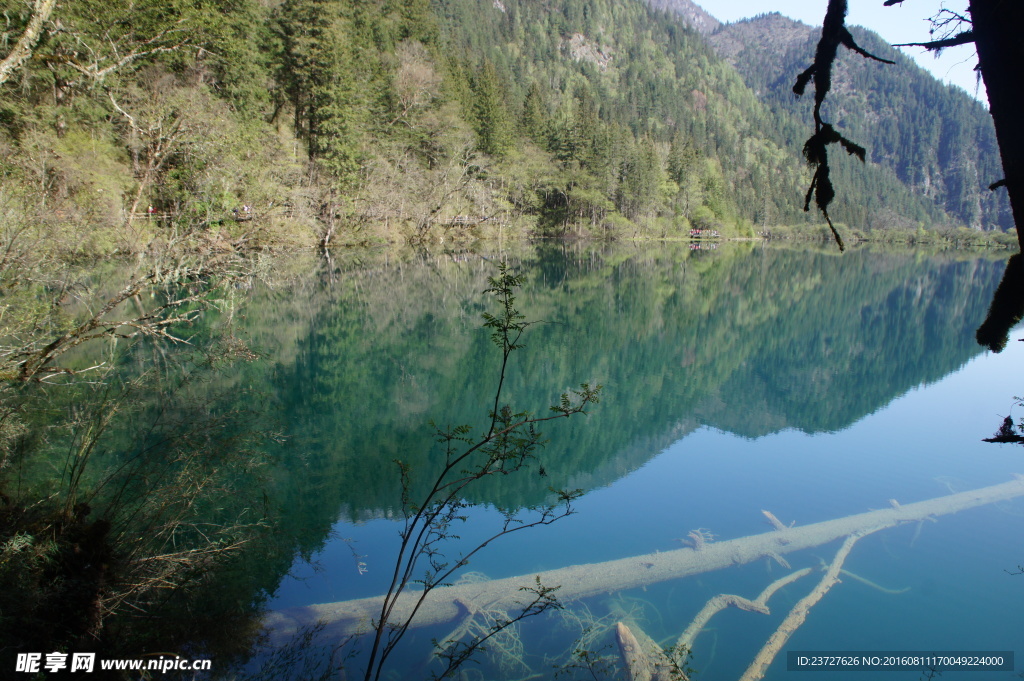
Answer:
x=568 y=406
x=492 y=121
x=508 y=325
x=508 y=444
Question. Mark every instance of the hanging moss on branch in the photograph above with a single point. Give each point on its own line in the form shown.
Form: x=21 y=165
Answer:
x=833 y=34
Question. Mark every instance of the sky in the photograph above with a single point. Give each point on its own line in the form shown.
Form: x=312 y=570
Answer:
x=898 y=24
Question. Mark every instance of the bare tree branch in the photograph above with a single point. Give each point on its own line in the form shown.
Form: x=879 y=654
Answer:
x=33 y=362
x=157 y=44
x=962 y=38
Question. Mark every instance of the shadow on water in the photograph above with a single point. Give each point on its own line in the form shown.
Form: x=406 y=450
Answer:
x=1005 y=312
x=127 y=501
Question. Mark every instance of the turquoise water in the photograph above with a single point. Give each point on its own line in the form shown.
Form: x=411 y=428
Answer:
x=812 y=386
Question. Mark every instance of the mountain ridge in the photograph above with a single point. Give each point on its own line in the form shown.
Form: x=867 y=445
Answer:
x=935 y=139
x=695 y=16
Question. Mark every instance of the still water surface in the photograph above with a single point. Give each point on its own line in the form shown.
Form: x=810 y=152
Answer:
x=748 y=379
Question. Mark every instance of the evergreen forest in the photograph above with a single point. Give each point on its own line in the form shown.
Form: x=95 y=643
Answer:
x=330 y=122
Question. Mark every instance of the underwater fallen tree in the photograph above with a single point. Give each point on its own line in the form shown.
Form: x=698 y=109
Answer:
x=459 y=601
x=798 y=615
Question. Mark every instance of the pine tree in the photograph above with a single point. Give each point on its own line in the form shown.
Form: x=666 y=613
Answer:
x=493 y=126
x=535 y=114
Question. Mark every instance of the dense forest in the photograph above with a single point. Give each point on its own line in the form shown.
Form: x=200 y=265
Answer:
x=336 y=121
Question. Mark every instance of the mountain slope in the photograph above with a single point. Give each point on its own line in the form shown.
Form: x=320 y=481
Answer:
x=355 y=121
x=695 y=16
x=933 y=138
x=729 y=155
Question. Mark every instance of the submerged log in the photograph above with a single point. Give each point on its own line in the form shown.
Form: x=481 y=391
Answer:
x=797 y=616
x=580 y=581
x=642 y=658
x=775 y=522
x=634 y=657
x=873 y=585
x=722 y=601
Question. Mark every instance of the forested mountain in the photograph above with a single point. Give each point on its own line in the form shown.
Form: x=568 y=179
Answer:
x=933 y=138
x=330 y=121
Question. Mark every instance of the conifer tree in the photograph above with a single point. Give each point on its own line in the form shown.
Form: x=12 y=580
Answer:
x=493 y=126
x=535 y=114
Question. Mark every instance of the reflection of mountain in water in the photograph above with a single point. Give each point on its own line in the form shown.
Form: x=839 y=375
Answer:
x=830 y=360
x=746 y=340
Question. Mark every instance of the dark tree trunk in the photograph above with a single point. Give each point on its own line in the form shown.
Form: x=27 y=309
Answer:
x=997 y=26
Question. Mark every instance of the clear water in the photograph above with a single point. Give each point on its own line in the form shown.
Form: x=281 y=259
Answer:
x=802 y=383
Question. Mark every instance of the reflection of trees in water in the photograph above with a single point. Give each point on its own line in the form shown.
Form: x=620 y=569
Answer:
x=360 y=358
x=1007 y=307
x=127 y=505
x=1005 y=312
x=1007 y=433
x=811 y=341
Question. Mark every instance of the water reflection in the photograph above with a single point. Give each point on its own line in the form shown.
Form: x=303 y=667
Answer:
x=128 y=506
x=736 y=381
x=1007 y=307
x=747 y=342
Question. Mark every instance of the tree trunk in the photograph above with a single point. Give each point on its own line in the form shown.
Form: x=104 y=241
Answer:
x=580 y=581
x=997 y=25
x=23 y=48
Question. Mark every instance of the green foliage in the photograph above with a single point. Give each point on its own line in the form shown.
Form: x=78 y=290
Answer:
x=535 y=119
x=344 y=121
x=493 y=126
x=509 y=326
x=508 y=445
x=329 y=69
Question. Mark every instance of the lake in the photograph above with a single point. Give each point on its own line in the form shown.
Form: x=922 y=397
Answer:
x=747 y=379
